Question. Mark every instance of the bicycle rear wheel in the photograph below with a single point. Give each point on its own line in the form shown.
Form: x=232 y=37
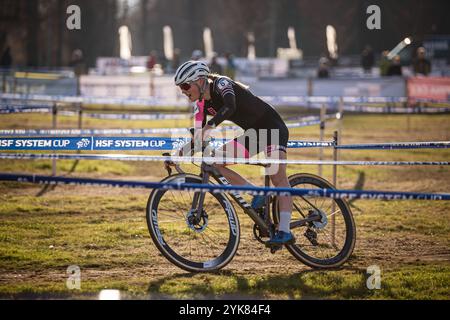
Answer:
x=328 y=242
x=195 y=246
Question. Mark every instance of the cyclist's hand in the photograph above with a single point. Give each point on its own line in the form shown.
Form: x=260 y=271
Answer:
x=202 y=134
x=168 y=163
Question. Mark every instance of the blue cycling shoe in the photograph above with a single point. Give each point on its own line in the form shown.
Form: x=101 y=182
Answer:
x=281 y=237
x=258 y=202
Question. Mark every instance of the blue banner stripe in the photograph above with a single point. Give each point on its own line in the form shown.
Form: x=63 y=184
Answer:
x=92 y=143
x=330 y=193
x=119 y=143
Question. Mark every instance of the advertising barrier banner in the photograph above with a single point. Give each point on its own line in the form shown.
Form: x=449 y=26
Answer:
x=434 y=88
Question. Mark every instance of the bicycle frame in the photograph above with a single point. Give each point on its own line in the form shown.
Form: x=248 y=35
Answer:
x=197 y=203
x=265 y=225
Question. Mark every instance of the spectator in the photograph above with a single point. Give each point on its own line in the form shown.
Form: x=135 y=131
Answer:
x=323 y=71
x=6 y=59
x=230 y=69
x=77 y=63
x=214 y=66
x=162 y=60
x=367 y=59
x=196 y=55
x=395 y=69
x=421 y=65
x=152 y=59
x=384 y=63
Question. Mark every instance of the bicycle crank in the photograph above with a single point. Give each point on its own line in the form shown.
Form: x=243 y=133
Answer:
x=259 y=234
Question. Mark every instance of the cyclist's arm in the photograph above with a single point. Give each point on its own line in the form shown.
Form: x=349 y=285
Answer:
x=229 y=107
x=225 y=88
x=199 y=114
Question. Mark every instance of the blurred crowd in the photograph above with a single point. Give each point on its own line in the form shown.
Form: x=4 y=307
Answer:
x=388 y=66
x=225 y=67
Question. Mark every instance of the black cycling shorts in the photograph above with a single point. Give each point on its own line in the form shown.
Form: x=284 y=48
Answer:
x=265 y=136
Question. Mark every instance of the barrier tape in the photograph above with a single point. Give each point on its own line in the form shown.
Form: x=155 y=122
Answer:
x=110 y=116
x=397 y=145
x=77 y=132
x=127 y=116
x=383 y=110
x=277 y=100
x=302 y=124
x=149 y=102
x=9 y=108
x=120 y=143
x=73 y=132
x=329 y=193
x=25 y=110
x=397 y=110
x=127 y=157
x=295 y=100
x=357 y=109
x=5 y=103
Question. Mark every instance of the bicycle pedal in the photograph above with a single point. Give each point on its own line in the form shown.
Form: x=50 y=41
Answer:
x=278 y=246
x=292 y=241
x=275 y=248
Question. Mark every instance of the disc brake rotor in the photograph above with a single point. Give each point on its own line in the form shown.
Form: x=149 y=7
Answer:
x=195 y=224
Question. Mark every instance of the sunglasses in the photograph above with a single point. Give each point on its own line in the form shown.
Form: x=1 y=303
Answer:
x=185 y=86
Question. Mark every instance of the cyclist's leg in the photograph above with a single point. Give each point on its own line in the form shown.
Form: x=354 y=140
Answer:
x=278 y=177
x=276 y=149
x=232 y=149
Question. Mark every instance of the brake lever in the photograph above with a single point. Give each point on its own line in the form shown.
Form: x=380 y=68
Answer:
x=167 y=163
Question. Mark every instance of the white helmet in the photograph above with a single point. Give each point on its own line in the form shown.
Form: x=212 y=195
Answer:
x=190 y=71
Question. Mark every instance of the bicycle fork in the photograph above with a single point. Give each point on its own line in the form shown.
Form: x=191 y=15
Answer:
x=199 y=198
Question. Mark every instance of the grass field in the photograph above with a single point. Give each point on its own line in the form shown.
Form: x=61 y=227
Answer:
x=103 y=230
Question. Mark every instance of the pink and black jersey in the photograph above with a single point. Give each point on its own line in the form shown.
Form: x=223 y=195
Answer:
x=234 y=102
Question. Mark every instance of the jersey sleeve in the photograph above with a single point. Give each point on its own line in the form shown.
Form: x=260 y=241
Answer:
x=224 y=87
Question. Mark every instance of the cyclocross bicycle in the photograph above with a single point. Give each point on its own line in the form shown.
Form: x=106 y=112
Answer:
x=200 y=232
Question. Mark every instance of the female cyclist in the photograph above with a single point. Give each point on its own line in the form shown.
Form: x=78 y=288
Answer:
x=225 y=99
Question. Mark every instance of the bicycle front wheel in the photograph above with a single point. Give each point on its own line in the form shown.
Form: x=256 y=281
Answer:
x=196 y=246
x=329 y=240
